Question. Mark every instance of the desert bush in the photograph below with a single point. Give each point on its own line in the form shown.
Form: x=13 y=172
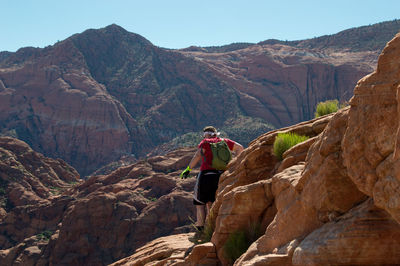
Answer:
x=327 y=107
x=285 y=141
x=236 y=245
x=45 y=235
x=240 y=240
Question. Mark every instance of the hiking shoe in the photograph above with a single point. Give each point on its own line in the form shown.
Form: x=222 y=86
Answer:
x=197 y=237
x=199 y=228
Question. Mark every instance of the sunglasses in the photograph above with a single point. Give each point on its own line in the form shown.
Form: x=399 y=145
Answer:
x=210 y=133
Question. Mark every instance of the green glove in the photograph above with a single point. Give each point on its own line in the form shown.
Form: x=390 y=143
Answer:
x=185 y=173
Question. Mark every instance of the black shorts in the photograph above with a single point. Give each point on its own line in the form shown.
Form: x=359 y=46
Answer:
x=206 y=186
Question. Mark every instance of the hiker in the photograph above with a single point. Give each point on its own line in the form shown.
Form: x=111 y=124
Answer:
x=208 y=178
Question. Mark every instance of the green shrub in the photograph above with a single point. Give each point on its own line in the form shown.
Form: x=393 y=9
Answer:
x=327 y=107
x=236 y=245
x=152 y=199
x=45 y=235
x=240 y=240
x=285 y=141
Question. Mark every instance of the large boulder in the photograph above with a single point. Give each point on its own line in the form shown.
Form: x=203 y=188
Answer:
x=369 y=142
x=167 y=250
x=366 y=235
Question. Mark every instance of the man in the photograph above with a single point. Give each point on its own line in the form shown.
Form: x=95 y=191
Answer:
x=208 y=178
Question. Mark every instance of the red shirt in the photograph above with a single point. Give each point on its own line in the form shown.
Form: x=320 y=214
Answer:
x=207 y=153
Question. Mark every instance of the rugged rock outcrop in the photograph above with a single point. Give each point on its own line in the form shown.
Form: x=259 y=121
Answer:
x=29 y=178
x=103 y=219
x=366 y=235
x=338 y=205
x=338 y=184
x=105 y=94
x=165 y=251
x=369 y=143
x=31 y=188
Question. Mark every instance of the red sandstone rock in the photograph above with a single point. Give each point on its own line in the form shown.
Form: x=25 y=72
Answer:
x=312 y=196
x=33 y=198
x=203 y=254
x=256 y=163
x=365 y=235
x=30 y=178
x=168 y=250
x=105 y=218
x=295 y=154
x=369 y=143
x=117 y=213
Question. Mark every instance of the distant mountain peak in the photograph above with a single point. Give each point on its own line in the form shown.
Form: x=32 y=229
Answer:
x=115 y=27
x=110 y=33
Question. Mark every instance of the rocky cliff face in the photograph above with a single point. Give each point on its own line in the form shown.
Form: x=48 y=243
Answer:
x=333 y=200
x=283 y=84
x=105 y=94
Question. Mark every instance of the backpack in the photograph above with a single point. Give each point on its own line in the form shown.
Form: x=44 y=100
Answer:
x=221 y=155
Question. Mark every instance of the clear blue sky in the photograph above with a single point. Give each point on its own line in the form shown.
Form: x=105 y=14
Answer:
x=182 y=23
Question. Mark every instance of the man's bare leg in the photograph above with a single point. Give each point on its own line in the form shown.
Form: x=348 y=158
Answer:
x=208 y=206
x=201 y=215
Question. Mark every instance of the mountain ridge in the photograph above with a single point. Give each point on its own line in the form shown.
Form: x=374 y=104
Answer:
x=390 y=28
x=107 y=93
x=336 y=40
x=372 y=37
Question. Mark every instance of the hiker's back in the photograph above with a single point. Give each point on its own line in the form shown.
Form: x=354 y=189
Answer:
x=216 y=153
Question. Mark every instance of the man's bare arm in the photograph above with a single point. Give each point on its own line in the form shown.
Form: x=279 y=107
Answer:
x=237 y=148
x=196 y=159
